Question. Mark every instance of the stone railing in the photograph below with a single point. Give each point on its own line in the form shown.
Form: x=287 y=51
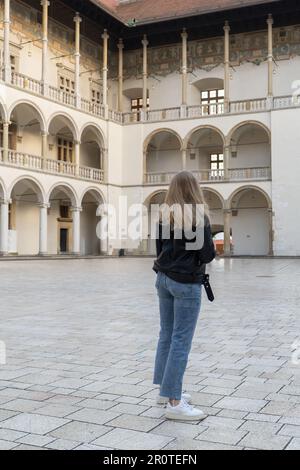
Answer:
x=27 y=83
x=49 y=165
x=61 y=96
x=213 y=176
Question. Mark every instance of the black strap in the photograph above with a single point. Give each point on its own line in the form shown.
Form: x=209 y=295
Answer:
x=208 y=289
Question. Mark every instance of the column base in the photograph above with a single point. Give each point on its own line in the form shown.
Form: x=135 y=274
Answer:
x=4 y=253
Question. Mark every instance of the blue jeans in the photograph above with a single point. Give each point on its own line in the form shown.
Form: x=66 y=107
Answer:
x=179 y=306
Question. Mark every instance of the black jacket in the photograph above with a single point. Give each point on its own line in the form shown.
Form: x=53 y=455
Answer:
x=180 y=264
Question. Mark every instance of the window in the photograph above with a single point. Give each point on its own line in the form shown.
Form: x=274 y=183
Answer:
x=216 y=165
x=67 y=84
x=64 y=212
x=212 y=101
x=137 y=104
x=64 y=150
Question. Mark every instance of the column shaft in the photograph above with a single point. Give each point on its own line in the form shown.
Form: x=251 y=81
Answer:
x=105 y=38
x=184 y=67
x=226 y=66
x=43 y=229
x=4 y=205
x=77 y=21
x=5 y=141
x=45 y=4
x=76 y=230
x=270 y=56
x=6 y=49
x=77 y=156
x=44 y=149
x=120 y=77
x=145 y=73
x=227 y=222
x=183 y=159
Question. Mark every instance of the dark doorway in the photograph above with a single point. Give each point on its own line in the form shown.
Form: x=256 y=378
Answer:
x=63 y=240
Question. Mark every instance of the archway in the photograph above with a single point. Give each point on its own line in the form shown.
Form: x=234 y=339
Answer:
x=90 y=244
x=26 y=126
x=24 y=217
x=152 y=203
x=251 y=222
x=163 y=156
x=205 y=153
x=62 y=138
x=92 y=148
x=62 y=200
x=215 y=205
x=249 y=151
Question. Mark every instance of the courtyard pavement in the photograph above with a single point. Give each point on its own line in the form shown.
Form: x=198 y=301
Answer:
x=80 y=342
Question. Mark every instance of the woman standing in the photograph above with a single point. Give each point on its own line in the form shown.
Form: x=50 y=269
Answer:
x=180 y=268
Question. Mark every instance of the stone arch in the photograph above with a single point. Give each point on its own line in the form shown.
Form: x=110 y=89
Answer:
x=3 y=111
x=2 y=190
x=67 y=120
x=33 y=183
x=31 y=104
x=244 y=123
x=98 y=130
x=158 y=131
x=199 y=128
x=67 y=189
x=228 y=203
x=97 y=193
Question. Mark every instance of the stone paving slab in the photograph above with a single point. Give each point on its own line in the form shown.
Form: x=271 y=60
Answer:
x=80 y=358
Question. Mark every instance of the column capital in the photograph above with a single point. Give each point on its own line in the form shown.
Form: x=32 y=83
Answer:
x=77 y=142
x=184 y=34
x=45 y=3
x=75 y=208
x=43 y=205
x=227 y=211
x=120 y=44
x=77 y=18
x=44 y=133
x=270 y=20
x=6 y=123
x=105 y=35
x=145 y=41
x=5 y=201
x=226 y=27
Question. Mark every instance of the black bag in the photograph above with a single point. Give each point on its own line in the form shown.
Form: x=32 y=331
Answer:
x=208 y=289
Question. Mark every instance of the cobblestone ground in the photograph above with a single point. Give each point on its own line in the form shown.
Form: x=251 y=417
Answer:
x=80 y=338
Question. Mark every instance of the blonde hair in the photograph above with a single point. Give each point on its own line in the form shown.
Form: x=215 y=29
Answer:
x=185 y=199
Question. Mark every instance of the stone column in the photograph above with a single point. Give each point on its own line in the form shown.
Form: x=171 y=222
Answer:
x=226 y=67
x=226 y=161
x=120 y=76
x=271 y=232
x=183 y=153
x=44 y=148
x=4 y=205
x=43 y=245
x=145 y=74
x=105 y=164
x=77 y=156
x=77 y=21
x=184 y=37
x=5 y=140
x=270 y=57
x=45 y=4
x=6 y=50
x=227 y=223
x=76 y=230
x=105 y=38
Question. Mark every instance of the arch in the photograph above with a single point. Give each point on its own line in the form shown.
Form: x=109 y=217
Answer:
x=3 y=109
x=2 y=190
x=245 y=123
x=69 y=122
x=228 y=203
x=199 y=128
x=33 y=182
x=67 y=189
x=29 y=103
x=210 y=83
x=98 y=130
x=152 y=195
x=158 y=131
x=95 y=191
x=216 y=193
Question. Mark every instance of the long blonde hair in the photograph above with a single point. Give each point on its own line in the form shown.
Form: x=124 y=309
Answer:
x=186 y=195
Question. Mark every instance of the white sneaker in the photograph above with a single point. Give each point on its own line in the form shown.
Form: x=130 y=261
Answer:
x=184 y=412
x=164 y=400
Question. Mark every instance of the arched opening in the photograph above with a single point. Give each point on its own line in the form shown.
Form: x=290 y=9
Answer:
x=214 y=204
x=133 y=101
x=91 y=148
x=163 y=157
x=61 y=142
x=60 y=220
x=24 y=217
x=205 y=154
x=211 y=91
x=26 y=125
x=90 y=244
x=251 y=222
x=250 y=152
x=152 y=204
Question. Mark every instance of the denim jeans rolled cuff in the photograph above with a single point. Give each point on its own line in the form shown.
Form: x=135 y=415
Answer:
x=179 y=306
